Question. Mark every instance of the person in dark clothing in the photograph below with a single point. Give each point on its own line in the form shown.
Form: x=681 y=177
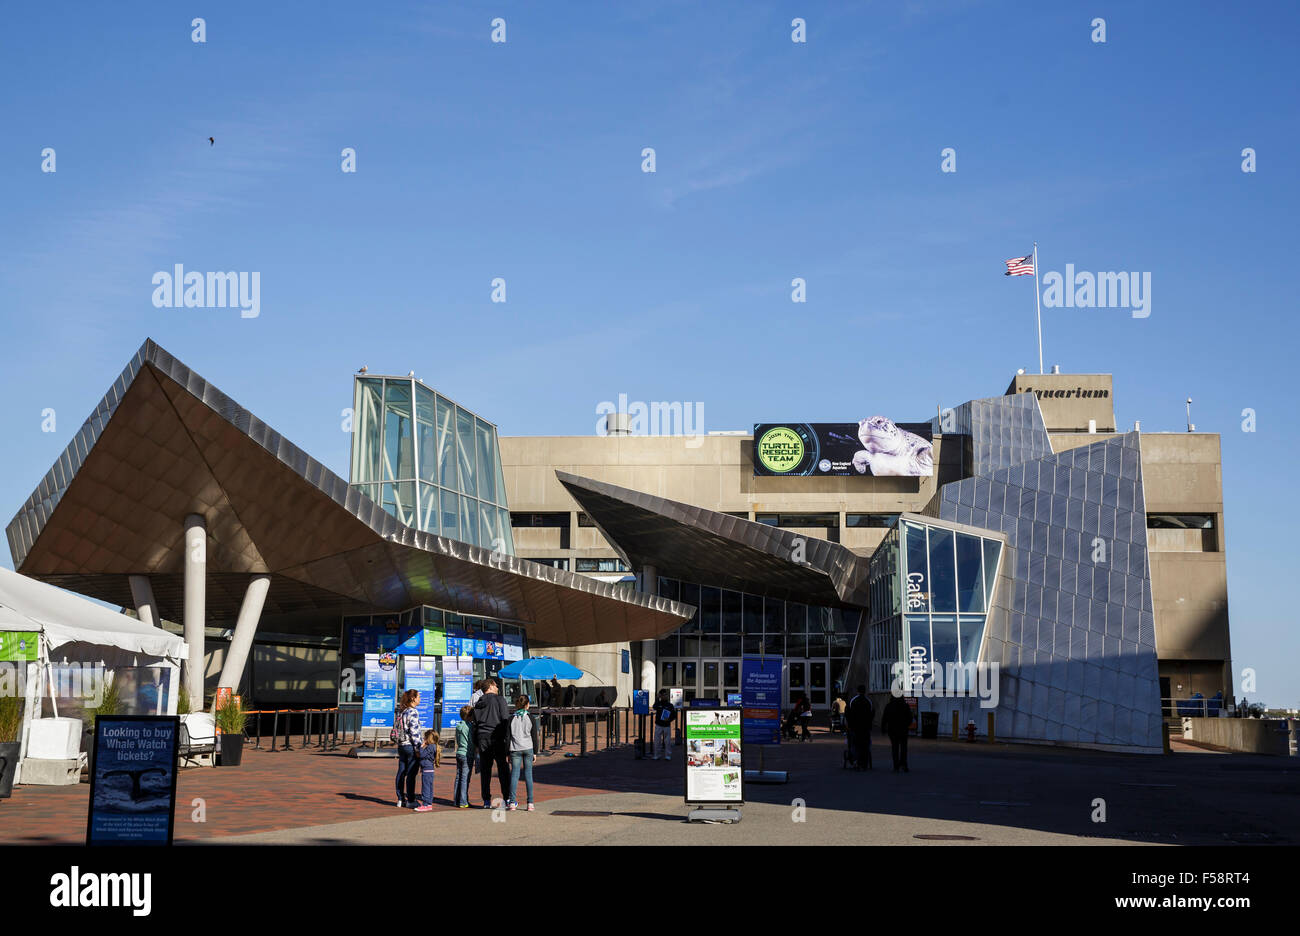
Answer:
x=570 y=693
x=895 y=721
x=859 y=715
x=490 y=716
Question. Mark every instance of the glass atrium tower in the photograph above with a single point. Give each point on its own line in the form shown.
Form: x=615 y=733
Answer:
x=433 y=465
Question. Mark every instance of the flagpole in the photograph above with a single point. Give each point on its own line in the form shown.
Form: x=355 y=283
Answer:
x=1038 y=310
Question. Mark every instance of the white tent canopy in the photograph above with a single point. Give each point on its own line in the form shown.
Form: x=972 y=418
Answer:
x=63 y=618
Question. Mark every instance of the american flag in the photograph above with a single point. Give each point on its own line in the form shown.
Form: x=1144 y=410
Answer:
x=1020 y=266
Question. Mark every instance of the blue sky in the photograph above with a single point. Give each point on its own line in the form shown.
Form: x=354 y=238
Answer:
x=774 y=159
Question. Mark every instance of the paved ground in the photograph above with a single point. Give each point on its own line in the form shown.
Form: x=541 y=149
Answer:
x=996 y=794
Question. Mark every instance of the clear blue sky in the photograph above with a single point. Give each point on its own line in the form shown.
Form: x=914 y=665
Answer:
x=775 y=160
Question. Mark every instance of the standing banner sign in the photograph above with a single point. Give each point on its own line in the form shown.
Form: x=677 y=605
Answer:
x=760 y=689
x=457 y=687
x=421 y=673
x=381 y=690
x=714 y=771
x=133 y=785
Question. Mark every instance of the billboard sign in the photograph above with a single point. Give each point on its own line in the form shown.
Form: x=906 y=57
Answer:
x=877 y=446
x=380 y=702
x=714 y=770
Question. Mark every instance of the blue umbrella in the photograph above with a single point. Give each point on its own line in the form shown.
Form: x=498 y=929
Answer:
x=542 y=667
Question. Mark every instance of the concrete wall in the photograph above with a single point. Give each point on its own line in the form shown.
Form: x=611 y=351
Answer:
x=1252 y=735
x=1068 y=401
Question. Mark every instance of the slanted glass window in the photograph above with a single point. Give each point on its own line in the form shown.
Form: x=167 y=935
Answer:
x=399 y=500
x=468 y=521
x=992 y=550
x=399 y=451
x=428 y=508
x=450 y=515
x=426 y=434
x=943 y=637
x=916 y=592
x=447 y=445
x=943 y=572
x=970 y=575
x=972 y=633
x=465 y=452
x=367 y=452
x=487 y=463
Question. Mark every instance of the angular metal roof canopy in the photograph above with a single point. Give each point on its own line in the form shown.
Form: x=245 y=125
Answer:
x=699 y=545
x=164 y=443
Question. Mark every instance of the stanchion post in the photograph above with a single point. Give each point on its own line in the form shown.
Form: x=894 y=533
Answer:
x=275 y=728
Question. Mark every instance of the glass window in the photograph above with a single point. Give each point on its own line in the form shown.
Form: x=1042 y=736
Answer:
x=691 y=596
x=753 y=620
x=731 y=674
x=428 y=508
x=796 y=645
x=669 y=669
x=399 y=500
x=731 y=611
x=689 y=668
x=774 y=644
x=450 y=515
x=710 y=609
x=796 y=618
x=972 y=632
x=465 y=452
x=399 y=450
x=487 y=472
x=447 y=445
x=669 y=588
x=503 y=524
x=992 y=549
x=468 y=521
x=943 y=629
x=885 y=520
x=917 y=597
x=821 y=620
x=426 y=436
x=943 y=574
x=711 y=674
x=432 y=617
x=490 y=536
x=773 y=616
x=917 y=638
x=367 y=454
x=970 y=574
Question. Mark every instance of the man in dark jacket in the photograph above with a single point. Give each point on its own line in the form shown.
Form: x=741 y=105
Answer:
x=490 y=716
x=860 y=714
x=895 y=721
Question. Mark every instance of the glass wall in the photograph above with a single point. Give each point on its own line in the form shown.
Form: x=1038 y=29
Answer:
x=931 y=588
x=433 y=465
x=702 y=656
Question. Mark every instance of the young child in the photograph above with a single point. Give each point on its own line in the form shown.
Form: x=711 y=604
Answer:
x=430 y=759
x=464 y=757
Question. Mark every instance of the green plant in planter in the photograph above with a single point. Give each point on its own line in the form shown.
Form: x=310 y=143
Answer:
x=183 y=701
x=231 y=718
x=109 y=704
x=11 y=718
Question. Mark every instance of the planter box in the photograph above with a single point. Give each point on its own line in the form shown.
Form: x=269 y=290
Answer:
x=232 y=750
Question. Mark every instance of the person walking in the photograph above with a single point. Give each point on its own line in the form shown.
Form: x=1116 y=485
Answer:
x=859 y=716
x=524 y=742
x=490 y=716
x=664 y=714
x=409 y=731
x=896 y=721
x=464 y=757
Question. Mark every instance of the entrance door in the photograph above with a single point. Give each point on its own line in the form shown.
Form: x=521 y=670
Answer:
x=811 y=678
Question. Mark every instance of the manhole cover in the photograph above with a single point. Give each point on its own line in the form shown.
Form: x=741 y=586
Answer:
x=947 y=838
x=581 y=812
